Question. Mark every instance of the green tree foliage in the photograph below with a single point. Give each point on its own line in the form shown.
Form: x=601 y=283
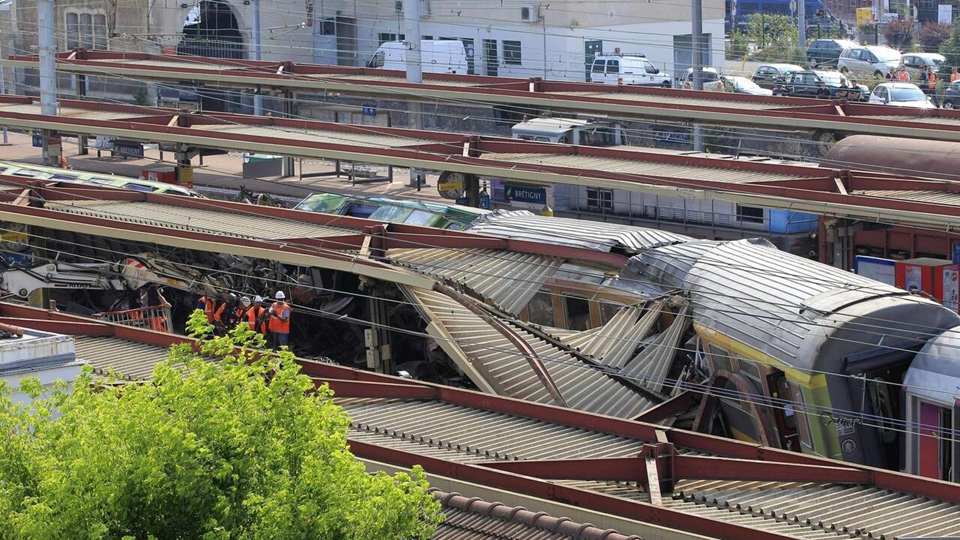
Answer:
x=899 y=33
x=932 y=35
x=738 y=46
x=776 y=36
x=950 y=49
x=242 y=448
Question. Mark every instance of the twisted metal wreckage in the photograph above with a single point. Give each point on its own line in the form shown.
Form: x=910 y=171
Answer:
x=735 y=338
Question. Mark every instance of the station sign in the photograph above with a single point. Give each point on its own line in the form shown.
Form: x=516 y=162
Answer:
x=523 y=194
x=128 y=149
x=369 y=109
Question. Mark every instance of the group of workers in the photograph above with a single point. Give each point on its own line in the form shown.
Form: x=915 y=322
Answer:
x=272 y=322
x=927 y=79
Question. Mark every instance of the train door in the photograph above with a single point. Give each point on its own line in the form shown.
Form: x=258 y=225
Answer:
x=784 y=411
x=938 y=444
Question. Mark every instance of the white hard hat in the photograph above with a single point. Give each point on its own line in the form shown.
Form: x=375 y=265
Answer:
x=280 y=295
x=257 y=299
x=245 y=300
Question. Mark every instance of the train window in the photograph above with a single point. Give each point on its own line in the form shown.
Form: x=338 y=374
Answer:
x=721 y=358
x=749 y=369
x=750 y=214
x=540 y=309
x=608 y=310
x=27 y=173
x=577 y=312
x=803 y=426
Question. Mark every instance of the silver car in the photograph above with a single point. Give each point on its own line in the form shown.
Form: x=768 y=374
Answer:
x=868 y=60
x=913 y=62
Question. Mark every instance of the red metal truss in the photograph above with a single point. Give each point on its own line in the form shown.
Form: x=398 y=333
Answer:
x=835 y=115
x=729 y=460
x=818 y=188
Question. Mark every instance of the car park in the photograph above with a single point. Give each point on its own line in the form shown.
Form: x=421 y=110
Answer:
x=711 y=79
x=627 y=69
x=951 y=96
x=827 y=51
x=914 y=61
x=868 y=60
x=900 y=94
x=820 y=84
x=743 y=85
x=770 y=75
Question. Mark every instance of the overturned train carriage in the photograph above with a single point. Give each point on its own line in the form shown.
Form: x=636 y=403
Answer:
x=801 y=355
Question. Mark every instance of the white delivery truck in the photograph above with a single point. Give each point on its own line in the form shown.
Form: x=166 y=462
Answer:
x=629 y=69
x=439 y=56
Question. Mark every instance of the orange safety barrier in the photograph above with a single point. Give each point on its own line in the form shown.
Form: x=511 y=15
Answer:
x=154 y=318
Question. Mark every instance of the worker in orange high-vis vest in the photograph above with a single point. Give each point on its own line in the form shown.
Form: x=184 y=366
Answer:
x=902 y=74
x=209 y=307
x=255 y=316
x=280 y=321
x=954 y=75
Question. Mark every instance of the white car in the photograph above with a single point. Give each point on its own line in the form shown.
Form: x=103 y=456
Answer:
x=900 y=94
x=711 y=79
x=914 y=61
x=743 y=85
x=629 y=69
x=868 y=60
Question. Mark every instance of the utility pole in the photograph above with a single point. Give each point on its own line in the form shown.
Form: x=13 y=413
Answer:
x=802 y=22
x=697 y=44
x=255 y=52
x=46 y=19
x=411 y=23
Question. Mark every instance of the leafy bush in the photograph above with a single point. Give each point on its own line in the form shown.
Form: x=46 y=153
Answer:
x=772 y=31
x=899 y=33
x=950 y=49
x=242 y=448
x=932 y=35
x=738 y=46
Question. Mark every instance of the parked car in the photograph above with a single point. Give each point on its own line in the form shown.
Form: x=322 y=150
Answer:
x=630 y=69
x=868 y=60
x=711 y=79
x=820 y=84
x=770 y=75
x=743 y=85
x=901 y=94
x=914 y=61
x=951 y=96
x=827 y=51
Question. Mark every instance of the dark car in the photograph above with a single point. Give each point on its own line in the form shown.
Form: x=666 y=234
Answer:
x=827 y=51
x=951 y=97
x=820 y=84
x=771 y=75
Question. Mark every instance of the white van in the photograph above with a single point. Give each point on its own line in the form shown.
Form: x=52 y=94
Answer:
x=632 y=69
x=576 y=131
x=441 y=56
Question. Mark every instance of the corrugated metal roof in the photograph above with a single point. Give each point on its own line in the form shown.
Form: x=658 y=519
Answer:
x=615 y=342
x=951 y=198
x=857 y=511
x=128 y=359
x=642 y=168
x=596 y=235
x=650 y=99
x=470 y=518
x=667 y=266
x=72 y=112
x=195 y=219
x=370 y=139
x=508 y=278
x=184 y=63
x=507 y=370
x=469 y=435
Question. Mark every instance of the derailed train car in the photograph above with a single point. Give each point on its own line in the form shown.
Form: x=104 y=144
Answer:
x=807 y=357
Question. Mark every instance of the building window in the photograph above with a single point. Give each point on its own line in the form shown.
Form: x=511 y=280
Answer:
x=73 y=30
x=577 y=313
x=511 y=53
x=750 y=214
x=600 y=199
x=87 y=30
x=385 y=37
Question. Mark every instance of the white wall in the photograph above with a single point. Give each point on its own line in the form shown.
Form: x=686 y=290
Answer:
x=564 y=46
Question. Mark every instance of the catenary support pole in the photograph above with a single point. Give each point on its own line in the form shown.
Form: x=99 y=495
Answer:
x=255 y=53
x=414 y=67
x=802 y=22
x=46 y=17
x=696 y=41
